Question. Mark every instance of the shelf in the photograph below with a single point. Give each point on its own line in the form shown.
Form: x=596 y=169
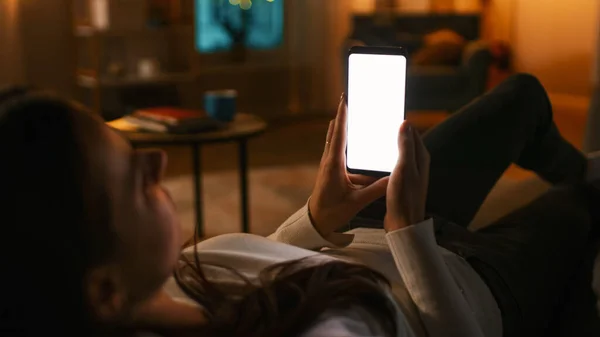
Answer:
x=89 y=81
x=128 y=81
x=89 y=31
x=243 y=67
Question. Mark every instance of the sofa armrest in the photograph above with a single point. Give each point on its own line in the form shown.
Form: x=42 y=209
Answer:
x=433 y=81
x=476 y=63
x=477 y=57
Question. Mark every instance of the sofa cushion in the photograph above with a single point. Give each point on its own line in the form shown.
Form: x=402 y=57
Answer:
x=439 y=54
x=443 y=47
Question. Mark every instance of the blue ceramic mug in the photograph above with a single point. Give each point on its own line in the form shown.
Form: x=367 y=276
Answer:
x=220 y=104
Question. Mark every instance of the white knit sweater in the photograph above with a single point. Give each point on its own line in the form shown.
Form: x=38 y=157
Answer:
x=438 y=292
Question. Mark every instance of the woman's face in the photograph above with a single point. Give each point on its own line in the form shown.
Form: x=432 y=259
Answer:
x=143 y=216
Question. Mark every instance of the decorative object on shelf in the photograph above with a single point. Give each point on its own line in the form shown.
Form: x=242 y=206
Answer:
x=148 y=68
x=220 y=104
x=225 y=26
x=116 y=69
x=117 y=15
x=99 y=14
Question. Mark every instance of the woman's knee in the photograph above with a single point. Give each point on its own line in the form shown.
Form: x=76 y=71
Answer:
x=527 y=100
x=527 y=85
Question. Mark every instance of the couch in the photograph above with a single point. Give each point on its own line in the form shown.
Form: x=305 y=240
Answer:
x=429 y=87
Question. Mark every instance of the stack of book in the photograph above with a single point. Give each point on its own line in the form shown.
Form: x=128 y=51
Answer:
x=167 y=120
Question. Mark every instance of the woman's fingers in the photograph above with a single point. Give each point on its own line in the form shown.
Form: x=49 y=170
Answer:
x=406 y=145
x=359 y=179
x=328 y=139
x=372 y=192
x=421 y=154
x=338 y=141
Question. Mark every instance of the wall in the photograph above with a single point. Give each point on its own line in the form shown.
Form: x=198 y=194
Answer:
x=592 y=136
x=11 y=67
x=555 y=40
x=47 y=42
x=558 y=42
x=37 y=53
x=498 y=20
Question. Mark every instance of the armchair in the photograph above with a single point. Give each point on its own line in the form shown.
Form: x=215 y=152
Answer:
x=430 y=87
x=446 y=87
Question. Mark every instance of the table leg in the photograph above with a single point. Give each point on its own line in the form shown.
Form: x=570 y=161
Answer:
x=198 y=190
x=243 y=162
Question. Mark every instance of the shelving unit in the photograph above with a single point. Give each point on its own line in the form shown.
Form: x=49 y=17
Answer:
x=186 y=71
x=93 y=82
x=88 y=31
x=131 y=31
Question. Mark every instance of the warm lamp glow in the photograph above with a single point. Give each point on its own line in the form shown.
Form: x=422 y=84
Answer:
x=11 y=10
x=363 y=6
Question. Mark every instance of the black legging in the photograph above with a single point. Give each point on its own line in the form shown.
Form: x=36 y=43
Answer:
x=528 y=256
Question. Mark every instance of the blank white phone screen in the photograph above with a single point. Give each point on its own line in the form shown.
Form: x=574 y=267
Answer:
x=376 y=93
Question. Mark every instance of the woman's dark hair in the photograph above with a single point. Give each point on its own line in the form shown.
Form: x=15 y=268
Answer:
x=46 y=244
x=287 y=298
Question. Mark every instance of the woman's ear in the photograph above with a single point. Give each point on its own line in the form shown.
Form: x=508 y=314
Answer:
x=153 y=163
x=105 y=293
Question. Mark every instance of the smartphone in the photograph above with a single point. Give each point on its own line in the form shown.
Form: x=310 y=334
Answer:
x=376 y=92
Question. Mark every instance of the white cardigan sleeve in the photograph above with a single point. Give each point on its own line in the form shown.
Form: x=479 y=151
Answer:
x=440 y=302
x=299 y=231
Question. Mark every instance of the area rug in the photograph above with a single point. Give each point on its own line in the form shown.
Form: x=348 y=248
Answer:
x=275 y=193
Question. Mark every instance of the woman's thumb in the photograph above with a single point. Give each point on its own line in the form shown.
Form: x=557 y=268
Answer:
x=373 y=192
x=406 y=149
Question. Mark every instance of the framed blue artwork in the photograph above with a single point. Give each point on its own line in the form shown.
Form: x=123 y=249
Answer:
x=220 y=24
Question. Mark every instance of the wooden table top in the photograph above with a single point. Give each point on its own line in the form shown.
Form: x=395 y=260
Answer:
x=243 y=126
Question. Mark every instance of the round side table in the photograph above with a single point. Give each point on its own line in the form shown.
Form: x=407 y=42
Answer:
x=240 y=130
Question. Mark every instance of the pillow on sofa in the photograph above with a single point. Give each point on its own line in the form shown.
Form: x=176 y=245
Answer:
x=442 y=48
x=443 y=35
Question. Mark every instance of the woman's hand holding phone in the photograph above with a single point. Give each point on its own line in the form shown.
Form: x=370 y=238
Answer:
x=338 y=196
x=407 y=190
